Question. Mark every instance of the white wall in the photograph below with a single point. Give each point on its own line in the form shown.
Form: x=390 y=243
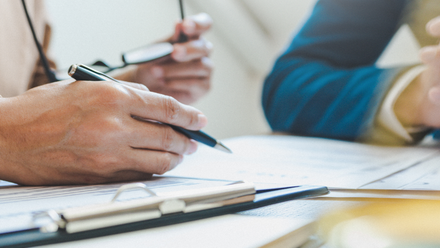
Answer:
x=247 y=37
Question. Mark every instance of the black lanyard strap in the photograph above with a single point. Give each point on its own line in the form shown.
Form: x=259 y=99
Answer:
x=49 y=73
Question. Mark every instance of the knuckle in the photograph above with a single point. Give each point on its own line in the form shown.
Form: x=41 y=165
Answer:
x=164 y=163
x=193 y=120
x=106 y=93
x=186 y=146
x=167 y=139
x=172 y=109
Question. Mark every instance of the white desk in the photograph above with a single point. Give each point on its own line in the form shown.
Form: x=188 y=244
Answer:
x=272 y=159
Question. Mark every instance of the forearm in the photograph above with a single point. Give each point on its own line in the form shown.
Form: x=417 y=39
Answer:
x=313 y=98
x=326 y=83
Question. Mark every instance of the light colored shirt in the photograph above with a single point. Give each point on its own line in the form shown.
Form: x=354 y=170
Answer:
x=18 y=53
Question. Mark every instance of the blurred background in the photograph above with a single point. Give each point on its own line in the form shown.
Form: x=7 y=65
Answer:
x=247 y=35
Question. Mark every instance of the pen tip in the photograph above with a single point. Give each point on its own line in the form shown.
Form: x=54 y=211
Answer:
x=222 y=147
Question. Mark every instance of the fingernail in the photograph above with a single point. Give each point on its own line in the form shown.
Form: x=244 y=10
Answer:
x=179 y=52
x=157 y=72
x=192 y=148
x=202 y=120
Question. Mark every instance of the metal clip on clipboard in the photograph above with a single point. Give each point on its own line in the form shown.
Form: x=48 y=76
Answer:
x=156 y=210
x=79 y=219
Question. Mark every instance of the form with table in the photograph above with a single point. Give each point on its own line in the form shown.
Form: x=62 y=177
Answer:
x=355 y=173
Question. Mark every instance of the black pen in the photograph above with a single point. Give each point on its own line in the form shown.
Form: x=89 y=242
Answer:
x=85 y=73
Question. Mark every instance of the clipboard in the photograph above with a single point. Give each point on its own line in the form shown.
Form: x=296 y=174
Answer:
x=116 y=217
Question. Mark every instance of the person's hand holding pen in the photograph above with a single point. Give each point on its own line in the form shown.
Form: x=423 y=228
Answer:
x=186 y=74
x=83 y=132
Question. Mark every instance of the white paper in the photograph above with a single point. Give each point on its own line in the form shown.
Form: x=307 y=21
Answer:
x=421 y=176
x=301 y=160
x=368 y=194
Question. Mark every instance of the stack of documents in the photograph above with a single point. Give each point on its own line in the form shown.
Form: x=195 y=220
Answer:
x=316 y=161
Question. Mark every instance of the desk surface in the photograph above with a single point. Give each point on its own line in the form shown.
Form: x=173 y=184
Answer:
x=266 y=163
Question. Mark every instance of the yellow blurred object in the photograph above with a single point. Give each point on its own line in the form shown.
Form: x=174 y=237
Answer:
x=385 y=224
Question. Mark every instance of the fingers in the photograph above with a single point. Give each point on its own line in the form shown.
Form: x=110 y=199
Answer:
x=165 y=109
x=433 y=27
x=189 y=90
x=154 y=162
x=192 y=85
x=193 y=69
x=186 y=91
x=191 y=50
x=194 y=26
x=185 y=81
x=159 y=137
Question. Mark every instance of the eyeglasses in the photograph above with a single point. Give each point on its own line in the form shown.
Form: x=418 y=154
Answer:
x=136 y=56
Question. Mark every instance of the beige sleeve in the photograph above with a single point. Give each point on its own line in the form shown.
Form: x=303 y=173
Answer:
x=388 y=130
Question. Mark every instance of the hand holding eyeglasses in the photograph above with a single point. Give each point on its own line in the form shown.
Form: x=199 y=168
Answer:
x=186 y=73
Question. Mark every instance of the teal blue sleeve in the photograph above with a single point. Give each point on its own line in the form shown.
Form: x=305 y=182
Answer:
x=326 y=83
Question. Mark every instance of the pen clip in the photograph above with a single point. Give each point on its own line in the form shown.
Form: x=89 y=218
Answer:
x=78 y=68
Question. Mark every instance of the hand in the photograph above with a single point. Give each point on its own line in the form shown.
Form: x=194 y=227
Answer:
x=84 y=133
x=419 y=104
x=186 y=74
